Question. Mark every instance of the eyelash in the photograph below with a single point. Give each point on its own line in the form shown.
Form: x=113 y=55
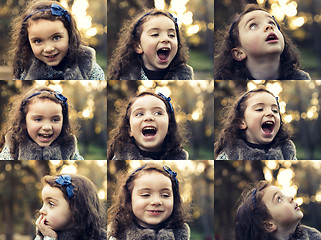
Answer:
x=141 y=114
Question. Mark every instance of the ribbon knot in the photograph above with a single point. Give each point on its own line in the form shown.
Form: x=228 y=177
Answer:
x=65 y=180
x=61 y=97
x=168 y=100
x=170 y=172
x=56 y=10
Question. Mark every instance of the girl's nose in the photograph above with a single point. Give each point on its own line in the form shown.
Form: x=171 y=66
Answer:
x=269 y=27
x=42 y=211
x=149 y=117
x=49 y=48
x=156 y=201
x=47 y=127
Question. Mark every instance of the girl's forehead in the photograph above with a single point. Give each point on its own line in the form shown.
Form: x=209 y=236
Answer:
x=152 y=180
x=256 y=14
x=148 y=101
x=261 y=97
x=158 y=21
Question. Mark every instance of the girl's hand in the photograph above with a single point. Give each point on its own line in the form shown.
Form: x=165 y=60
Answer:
x=46 y=230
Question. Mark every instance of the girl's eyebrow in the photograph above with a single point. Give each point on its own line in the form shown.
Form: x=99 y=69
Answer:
x=162 y=189
x=57 y=33
x=50 y=198
x=153 y=29
x=141 y=108
x=258 y=104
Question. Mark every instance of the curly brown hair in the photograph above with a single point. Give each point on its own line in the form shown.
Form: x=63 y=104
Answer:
x=120 y=135
x=21 y=51
x=233 y=115
x=120 y=214
x=87 y=212
x=15 y=125
x=124 y=56
x=252 y=213
x=227 y=68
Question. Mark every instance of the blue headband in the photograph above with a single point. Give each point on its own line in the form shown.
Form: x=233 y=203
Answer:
x=170 y=172
x=167 y=99
x=56 y=10
x=65 y=180
x=57 y=94
x=139 y=20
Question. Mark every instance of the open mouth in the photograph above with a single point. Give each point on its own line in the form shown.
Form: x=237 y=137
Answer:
x=271 y=37
x=163 y=54
x=268 y=127
x=46 y=222
x=155 y=212
x=45 y=136
x=149 y=131
x=297 y=207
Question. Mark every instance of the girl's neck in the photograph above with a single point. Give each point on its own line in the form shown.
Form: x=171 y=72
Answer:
x=284 y=233
x=267 y=67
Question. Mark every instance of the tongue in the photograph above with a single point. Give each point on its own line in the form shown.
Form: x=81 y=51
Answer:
x=267 y=129
x=162 y=55
x=149 y=134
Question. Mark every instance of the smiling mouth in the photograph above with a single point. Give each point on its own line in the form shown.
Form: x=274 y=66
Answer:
x=46 y=222
x=268 y=127
x=52 y=56
x=163 y=54
x=149 y=131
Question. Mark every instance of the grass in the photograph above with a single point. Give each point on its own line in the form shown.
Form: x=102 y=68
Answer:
x=94 y=152
x=200 y=61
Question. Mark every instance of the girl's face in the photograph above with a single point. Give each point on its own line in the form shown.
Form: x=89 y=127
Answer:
x=55 y=209
x=49 y=40
x=261 y=118
x=44 y=121
x=152 y=199
x=158 y=42
x=148 y=123
x=259 y=35
x=284 y=211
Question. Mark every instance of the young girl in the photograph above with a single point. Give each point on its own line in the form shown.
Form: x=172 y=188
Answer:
x=150 y=47
x=47 y=45
x=71 y=210
x=254 y=130
x=148 y=206
x=254 y=47
x=147 y=130
x=265 y=213
x=38 y=128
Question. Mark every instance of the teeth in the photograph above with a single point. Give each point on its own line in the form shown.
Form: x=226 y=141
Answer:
x=149 y=128
x=269 y=122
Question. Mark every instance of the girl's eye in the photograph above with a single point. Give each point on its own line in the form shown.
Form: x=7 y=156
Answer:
x=259 y=110
x=56 y=120
x=279 y=199
x=272 y=23
x=165 y=195
x=51 y=204
x=158 y=113
x=56 y=38
x=145 y=195
x=275 y=111
x=139 y=114
x=171 y=35
x=253 y=26
x=37 y=119
x=37 y=41
x=155 y=35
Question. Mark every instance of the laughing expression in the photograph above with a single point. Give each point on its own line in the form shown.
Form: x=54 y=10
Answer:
x=283 y=209
x=55 y=209
x=259 y=34
x=158 y=42
x=261 y=118
x=148 y=123
x=152 y=199
x=49 y=40
x=44 y=121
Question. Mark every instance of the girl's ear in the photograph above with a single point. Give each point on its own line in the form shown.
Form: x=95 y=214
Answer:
x=238 y=54
x=130 y=132
x=269 y=226
x=242 y=125
x=138 y=48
